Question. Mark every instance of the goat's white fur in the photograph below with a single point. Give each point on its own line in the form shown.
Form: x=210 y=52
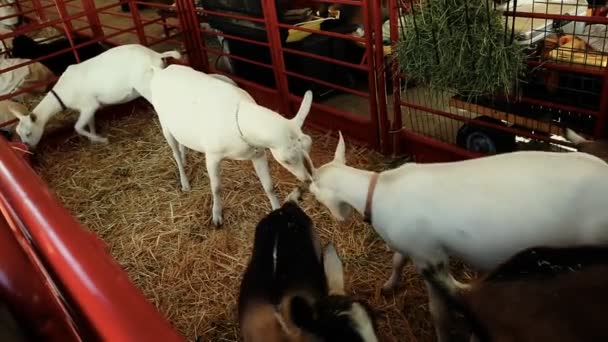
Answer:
x=118 y=75
x=199 y=111
x=481 y=211
x=574 y=137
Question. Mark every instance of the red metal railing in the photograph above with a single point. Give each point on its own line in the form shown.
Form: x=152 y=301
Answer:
x=372 y=128
x=56 y=277
x=95 y=284
x=94 y=296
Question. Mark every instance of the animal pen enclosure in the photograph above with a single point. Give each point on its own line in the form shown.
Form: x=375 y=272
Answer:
x=562 y=85
x=340 y=49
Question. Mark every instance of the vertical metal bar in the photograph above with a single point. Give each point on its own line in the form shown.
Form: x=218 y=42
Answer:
x=600 y=124
x=394 y=21
x=383 y=121
x=93 y=18
x=276 y=54
x=67 y=26
x=371 y=75
x=199 y=38
x=190 y=47
x=192 y=35
x=19 y=9
x=139 y=28
x=38 y=6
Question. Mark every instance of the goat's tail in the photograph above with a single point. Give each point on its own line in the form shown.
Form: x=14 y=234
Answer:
x=574 y=137
x=455 y=299
x=154 y=69
x=173 y=54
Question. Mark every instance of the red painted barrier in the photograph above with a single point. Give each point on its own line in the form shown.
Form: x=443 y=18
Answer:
x=97 y=289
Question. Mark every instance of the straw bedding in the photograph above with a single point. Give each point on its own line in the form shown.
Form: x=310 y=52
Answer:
x=128 y=193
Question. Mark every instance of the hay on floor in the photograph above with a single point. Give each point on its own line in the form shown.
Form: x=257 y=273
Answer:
x=128 y=193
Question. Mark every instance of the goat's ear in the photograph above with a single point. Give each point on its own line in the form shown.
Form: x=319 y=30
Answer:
x=334 y=271
x=301 y=313
x=16 y=113
x=304 y=109
x=340 y=154
x=310 y=167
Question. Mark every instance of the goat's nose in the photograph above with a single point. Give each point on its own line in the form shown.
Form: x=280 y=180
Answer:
x=30 y=146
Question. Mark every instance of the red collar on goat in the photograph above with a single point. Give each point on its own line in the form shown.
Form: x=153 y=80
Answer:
x=367 y=214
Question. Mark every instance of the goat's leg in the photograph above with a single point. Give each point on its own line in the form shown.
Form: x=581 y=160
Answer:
x=84 y=119
x=182 y=153
x=439 y=313
x=213 y=169
x=91 y=125
x=395 y=278
x=183 y=178
x=436 y=270
x=260 y=164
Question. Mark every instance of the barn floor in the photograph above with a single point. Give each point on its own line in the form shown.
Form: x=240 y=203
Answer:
x=128 y=193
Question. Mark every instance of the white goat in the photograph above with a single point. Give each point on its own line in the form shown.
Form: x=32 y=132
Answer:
x=210 y=115
x=116 y=76
x=482 y=211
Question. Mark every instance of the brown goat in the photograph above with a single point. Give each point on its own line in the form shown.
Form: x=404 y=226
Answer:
x=541 y=294
x=598 y=148
x=293 y=291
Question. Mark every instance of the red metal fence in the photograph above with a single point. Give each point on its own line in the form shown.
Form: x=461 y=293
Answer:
x=278 y=60
x=358 y=89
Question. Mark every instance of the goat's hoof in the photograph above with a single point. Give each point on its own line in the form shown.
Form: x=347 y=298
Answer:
x=218 y=222
x=388 y=289
x=100 y=140
x=295 y=195
x=186 y=188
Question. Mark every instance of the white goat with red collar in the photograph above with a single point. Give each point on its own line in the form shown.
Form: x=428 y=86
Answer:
x=482 y=211
x=213 y=116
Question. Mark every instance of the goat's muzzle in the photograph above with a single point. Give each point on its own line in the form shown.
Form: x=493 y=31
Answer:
x=296 y=194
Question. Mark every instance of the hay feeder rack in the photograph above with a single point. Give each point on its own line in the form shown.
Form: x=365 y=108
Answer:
x=561 y=88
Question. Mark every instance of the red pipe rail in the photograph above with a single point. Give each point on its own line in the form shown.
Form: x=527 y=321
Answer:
x=284 y=101
x=397 y=123
x=97 y=285
x=28 y=292
x=380 y=118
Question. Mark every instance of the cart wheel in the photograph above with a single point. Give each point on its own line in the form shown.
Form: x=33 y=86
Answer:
x=484 y=139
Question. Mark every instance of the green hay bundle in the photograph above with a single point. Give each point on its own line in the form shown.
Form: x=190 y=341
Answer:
x=459 y=45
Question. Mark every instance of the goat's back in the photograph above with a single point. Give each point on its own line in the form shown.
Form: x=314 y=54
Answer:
x=285 y=261
x=286 y=258
x=487 y=209
x=545 y=294
x=598 y=148
x=185 y=98
x=118 y=75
